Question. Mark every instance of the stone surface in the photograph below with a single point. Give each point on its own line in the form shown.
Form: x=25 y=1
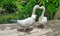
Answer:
x=52 y=29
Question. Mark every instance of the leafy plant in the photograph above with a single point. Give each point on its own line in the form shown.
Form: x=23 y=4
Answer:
x=9 y=6
x=51 y=6
x=23 y=8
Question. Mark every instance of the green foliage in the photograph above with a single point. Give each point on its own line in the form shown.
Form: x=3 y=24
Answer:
x=7 y=18
x=9 y=6
x=1 y=2
x=23 y=8
x=26 y=10
x=51 y=7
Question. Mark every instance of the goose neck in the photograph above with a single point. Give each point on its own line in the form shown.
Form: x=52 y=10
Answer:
x=34 y=10
x=43 y=11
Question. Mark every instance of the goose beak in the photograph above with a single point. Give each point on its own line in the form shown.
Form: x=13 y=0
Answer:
x=40 y=7
x=36 y=6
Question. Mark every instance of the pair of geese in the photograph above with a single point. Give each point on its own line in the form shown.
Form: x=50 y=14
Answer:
x=26 y=23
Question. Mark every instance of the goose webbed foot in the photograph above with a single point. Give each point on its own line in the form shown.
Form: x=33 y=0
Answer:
x=25 y=30
x=28 y=29
x=20 y=30
x=40 y=26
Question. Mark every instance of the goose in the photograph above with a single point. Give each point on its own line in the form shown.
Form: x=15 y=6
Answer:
x=42 y=19
x=26 y=23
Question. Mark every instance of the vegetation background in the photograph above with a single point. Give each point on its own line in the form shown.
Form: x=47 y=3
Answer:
x=21 y=9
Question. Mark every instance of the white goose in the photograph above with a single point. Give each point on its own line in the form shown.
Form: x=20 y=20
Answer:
x=25 y=23
x=42 y=20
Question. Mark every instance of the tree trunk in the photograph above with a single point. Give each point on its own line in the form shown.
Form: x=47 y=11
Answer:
x=57 y=15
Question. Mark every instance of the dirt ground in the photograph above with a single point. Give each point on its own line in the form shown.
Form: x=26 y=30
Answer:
x=52 y=28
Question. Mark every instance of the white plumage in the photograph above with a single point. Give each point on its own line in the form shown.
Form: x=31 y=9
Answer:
x=42 y=19
x=25 y=23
